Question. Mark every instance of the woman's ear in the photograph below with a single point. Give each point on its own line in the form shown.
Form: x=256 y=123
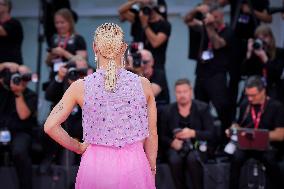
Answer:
x=95 y=48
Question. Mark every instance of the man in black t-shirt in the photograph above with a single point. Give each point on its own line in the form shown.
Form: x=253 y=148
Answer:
x=214 y=54
x=18 y=116
x=148 y=27
x=260 y=112
x=11 y=35
x=185 y=124
x=156 y=77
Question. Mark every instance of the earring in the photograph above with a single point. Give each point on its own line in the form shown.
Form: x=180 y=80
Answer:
x=122 y=62
x=97 y=62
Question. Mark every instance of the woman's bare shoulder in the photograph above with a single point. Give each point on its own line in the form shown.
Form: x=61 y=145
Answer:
x=77 y=90
x=146 y=86
x=145 y=82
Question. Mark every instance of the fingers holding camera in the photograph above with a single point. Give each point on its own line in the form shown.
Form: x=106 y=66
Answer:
x=13 y=67
x=261 y=54
x=186 y=133
x=209 y=19
x=62 y=73
x=228 y=132
x=177 y=144
x=143 y=19
x=59 y=51
x=249 y=48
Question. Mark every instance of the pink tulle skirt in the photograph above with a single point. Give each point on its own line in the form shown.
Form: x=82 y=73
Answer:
x=104 y=167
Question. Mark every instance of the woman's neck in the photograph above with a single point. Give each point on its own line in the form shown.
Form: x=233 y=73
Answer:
x=65 y=34
x=103 y=63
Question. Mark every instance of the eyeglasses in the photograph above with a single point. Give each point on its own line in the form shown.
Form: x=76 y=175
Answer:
x=252 y=95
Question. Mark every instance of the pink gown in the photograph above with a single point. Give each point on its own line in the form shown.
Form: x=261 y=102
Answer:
x=115 y=125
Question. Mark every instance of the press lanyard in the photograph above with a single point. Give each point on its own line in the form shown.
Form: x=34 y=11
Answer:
x=256 y=117
x=264 y=73
x=65 y=41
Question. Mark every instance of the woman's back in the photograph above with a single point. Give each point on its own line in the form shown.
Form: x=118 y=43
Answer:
x=114 y=118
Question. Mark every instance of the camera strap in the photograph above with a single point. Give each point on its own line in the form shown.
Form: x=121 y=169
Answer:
x=257 y=117
x=65 y=39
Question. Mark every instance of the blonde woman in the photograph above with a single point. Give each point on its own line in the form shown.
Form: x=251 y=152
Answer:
x=119 y=120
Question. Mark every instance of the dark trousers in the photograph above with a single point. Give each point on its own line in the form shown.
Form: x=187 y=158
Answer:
x=190 y=166
x=235 y=67
x=20 y=148
x=214 y=89
x=269 y=160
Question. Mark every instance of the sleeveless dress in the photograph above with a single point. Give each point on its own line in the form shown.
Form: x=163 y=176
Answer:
x=115 y=125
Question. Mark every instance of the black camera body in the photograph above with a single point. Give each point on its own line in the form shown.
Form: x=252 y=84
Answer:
x=136 y=55
x=186 y=148
x=199 y=16
x=257 y=44
x=187 y=144
x=15 y=77
x=146 y=10
x=75 y=73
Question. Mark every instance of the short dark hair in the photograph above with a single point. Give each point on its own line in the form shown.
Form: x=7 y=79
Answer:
x=182 y=81
x=255 y=81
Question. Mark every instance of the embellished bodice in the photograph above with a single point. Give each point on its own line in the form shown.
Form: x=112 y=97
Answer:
x=114 y=118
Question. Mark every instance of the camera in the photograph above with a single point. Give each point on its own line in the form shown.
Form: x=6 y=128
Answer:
x=74 y=73
x=187 y=144
x=146 y=10
x=257 y=44
x=199 y=16
x=15 y=77
x=135 y=47
x=231 y=147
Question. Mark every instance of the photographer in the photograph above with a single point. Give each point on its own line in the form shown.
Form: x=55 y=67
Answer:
x=67 y=74
x=260 y=112
x=214 y=54
x=17 y=117
x=263 y=58
x=142 y=63
x=187 y=126
x=148 y=27
x=246 y=16
x=11 y=35
x=66 y=43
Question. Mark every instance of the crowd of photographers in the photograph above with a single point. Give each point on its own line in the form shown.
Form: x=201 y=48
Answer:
x=225 y=55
